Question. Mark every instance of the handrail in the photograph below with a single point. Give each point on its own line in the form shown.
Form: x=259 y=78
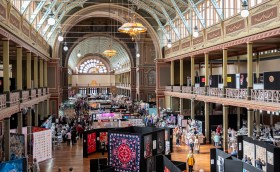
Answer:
x=236 y=93
x=3 y=101
x=218 y=92
x=33 y=93
x=25 y=95
x=199 y=90
x=265 y=95
x=186 y=89
x=176 y=88
x=14 y=98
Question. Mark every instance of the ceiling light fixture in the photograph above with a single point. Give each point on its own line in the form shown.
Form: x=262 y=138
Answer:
x=195 y=32
x=51 y=20
x=110 y=52
x=79 y=54
x=169 y=43
x=65 y=48
x=244 y=12
x=60 y=37
x=132 y=27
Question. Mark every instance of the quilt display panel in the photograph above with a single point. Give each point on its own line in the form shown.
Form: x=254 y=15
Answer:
x=17 y=146
x=148 y=146
x=271 y=80
x=103 y=137
x=91 y=143
x=42 y=145
x=249 y=150
x=124 y=151
x=261 y=153
x=160 y=142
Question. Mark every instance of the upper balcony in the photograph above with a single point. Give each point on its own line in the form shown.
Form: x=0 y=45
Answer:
x=13 y=102
x=123 y=86
x=257 y=99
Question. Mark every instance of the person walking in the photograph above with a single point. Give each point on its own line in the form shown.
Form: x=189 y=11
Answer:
x=35 y=167
x=68 y=136
x=190 y=161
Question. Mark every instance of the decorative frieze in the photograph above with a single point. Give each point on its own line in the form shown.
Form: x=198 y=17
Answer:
x=14 y=21
x=33 y=35
x=264 y=16
x=214 y=34
x=186 y=44
x=235 y=27
x=176 y=48
x=198 y=40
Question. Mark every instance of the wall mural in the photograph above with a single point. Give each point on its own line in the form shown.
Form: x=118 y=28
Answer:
x=124 y=151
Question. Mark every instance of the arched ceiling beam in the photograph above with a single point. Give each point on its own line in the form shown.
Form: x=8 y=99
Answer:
x=46 y=14
x=68 y=8
x=156 y=14
x=24 y=6
x=218 y=9
x=168 y=19
x=201 y=19
x=36 y=11
x=55 y=14
x=166 y=6
x=144 y=6
x=181 y=16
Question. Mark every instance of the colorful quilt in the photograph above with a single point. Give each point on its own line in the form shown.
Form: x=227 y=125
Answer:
x=124 y=151
x=91 y=143
x=148 y=143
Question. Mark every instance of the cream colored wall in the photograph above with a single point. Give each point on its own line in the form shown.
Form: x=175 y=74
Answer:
x=88 y=79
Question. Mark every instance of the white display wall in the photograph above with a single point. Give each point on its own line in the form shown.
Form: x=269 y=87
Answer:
x=42 y=145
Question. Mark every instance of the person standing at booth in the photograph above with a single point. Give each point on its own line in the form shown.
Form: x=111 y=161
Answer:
x=190 y=161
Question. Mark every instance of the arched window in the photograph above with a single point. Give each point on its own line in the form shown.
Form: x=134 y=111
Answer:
x=92 y=66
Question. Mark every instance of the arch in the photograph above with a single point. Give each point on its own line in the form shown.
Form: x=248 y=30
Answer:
x=95 y=35
x=100 y=10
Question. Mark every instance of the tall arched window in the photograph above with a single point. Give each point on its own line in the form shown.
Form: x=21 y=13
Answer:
x=92 y=66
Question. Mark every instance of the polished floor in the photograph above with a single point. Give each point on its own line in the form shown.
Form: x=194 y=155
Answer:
x=72 y=156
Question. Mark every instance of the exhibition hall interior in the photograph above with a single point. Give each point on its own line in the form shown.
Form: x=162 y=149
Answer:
x=139 y=85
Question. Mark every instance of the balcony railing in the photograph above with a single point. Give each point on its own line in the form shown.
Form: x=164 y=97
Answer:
x=218 y=92
x=39 y=92
x=236 y=93
x=168 y=88
x=186 y=89
x=32 y=93
x=3 y=101
x=25 y=96
x=199 y=90
x=265 y=95
x=176 y=88
x=44 y=91
x=14 y=98
x=95 y=85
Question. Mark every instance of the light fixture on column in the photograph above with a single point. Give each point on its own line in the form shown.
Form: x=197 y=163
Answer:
x=51 y=20
x=65 y=48
x=195 y=32
x=79 y=54
x=60 y=37
x=138 y=54
x=169 y=44
x=244 y=12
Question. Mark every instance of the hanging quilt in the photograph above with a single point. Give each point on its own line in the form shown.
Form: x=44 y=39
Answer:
x=148 y=143
x=124 y=151
x=91 y=143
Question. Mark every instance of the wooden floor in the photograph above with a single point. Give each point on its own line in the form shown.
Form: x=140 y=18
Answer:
x=72 y=156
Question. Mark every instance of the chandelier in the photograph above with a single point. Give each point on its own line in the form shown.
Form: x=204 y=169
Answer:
x=110 y=52
x=132 y=28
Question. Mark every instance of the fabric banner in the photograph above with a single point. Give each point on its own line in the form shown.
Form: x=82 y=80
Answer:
x=124 y=152
x=148 y=143
x=42 y=145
